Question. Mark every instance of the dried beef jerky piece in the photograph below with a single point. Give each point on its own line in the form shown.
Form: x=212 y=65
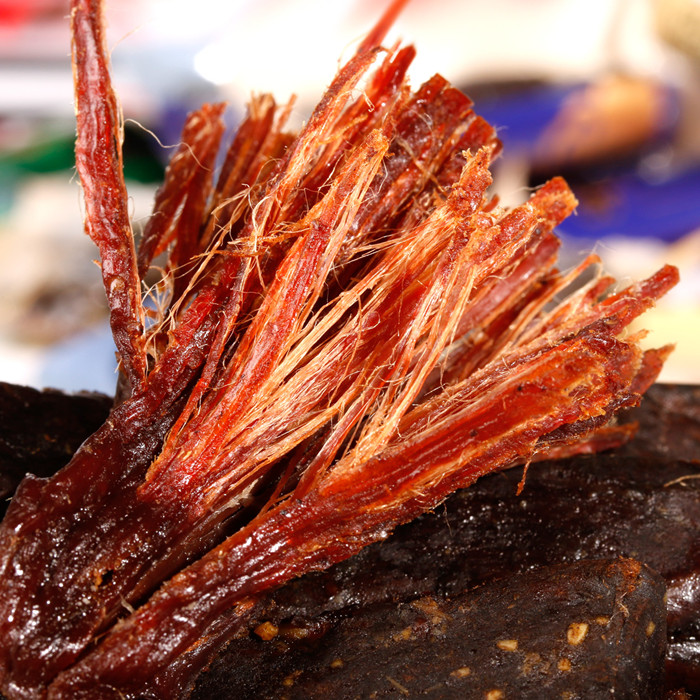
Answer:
x=105 y=532
x=179 y=203
x=589 y=629
x=40 y=431
x=98 y=161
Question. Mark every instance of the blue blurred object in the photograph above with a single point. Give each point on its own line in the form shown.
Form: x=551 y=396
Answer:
x=634 y=206
x=603 y=136
x=521 y=114
x=555 y=126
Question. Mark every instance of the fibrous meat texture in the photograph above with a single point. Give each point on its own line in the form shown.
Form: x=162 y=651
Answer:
x=348 y=327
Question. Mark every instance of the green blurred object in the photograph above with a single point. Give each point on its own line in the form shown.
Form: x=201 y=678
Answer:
x=56 y=153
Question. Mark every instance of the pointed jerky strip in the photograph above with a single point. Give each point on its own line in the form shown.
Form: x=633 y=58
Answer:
x=587 y=437
x=378 y=32
x=178 y=208
x=259 y=142
x=98 y=157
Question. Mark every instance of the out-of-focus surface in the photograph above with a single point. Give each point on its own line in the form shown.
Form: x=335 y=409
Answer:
x=608 y=93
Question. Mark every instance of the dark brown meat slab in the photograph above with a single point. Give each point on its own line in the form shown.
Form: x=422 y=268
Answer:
x=669 y=424
x=40 y=431
x=590 y=629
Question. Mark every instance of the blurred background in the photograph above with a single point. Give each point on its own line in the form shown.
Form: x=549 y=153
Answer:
x=606 y=92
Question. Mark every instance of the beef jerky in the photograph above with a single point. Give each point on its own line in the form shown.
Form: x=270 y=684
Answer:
x=285 y=386
x=588 y=629
x=98 y=158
